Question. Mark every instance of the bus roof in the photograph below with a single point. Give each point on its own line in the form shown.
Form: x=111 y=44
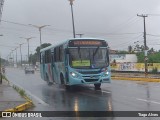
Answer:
x=52 y=46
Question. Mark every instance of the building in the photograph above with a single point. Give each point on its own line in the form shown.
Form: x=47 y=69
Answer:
x=123 y=58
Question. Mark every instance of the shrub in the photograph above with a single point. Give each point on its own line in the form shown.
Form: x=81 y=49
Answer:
x=155 y=70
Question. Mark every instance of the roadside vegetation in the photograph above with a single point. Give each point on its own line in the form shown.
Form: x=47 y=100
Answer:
x=20 y=91
x=153 y=55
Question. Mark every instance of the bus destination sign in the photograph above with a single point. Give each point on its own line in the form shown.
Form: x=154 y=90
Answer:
x=76 y=43
x=87 y=43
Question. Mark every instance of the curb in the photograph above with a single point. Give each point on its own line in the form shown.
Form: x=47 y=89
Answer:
x=137 y=79
x=21 y=107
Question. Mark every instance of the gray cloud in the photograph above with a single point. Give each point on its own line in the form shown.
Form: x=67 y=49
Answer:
x=93 y=18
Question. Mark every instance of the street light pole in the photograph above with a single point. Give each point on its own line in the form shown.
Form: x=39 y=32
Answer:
x=13 y=57
x=39 y=28
x=71 y=3
x=16 y=55
x=28 y=46
x=21 y=52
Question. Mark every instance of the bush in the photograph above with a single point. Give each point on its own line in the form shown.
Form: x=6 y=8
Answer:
x=155 y=70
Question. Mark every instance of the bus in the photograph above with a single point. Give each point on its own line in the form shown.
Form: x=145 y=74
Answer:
x=76 y=61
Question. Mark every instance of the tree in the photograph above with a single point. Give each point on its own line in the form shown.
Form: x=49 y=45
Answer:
x=35 y=57
x=140 y=57
x=122 y=52
x=42 y=46
x=151 y=50
x=152 y=58
x=130 y=49
x=139 y=48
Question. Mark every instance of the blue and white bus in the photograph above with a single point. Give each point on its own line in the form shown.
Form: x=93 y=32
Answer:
x=76 y=61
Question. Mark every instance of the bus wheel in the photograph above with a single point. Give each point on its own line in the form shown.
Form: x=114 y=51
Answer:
x=97 y=86
x=67 y=87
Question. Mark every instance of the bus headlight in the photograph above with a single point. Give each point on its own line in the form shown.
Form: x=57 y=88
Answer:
x=73 y=74
x=106 y=73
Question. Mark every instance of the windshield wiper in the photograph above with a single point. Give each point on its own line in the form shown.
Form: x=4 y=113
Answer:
x=79 y=53
x=95 y=52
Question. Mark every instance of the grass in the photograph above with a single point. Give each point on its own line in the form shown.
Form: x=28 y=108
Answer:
x=20 y=91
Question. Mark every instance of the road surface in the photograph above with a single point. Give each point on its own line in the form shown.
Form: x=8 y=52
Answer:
x=118 y=96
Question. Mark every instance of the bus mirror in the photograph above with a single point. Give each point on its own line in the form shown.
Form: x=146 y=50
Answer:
x=67 y=51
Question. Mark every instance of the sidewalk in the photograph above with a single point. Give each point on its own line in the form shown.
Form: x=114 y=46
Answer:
x=9 y=98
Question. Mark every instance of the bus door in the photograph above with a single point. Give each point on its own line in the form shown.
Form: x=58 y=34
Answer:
x=52 y=65
x=42 y=66
x=66 y=58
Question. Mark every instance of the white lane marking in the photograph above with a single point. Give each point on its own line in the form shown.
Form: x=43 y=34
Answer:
x=29 y=93
x=106 y=92
x=150 y=101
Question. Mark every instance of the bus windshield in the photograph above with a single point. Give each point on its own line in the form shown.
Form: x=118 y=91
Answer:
x=88 y=57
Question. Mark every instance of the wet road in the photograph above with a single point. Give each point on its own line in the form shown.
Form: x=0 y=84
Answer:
x=117 y=96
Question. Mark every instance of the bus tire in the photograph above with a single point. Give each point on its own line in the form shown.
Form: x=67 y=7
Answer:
x=67 y=87
x=97 y=86
x=62 y=79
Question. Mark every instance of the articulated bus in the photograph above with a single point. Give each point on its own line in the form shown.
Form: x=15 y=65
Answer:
x=76 y=61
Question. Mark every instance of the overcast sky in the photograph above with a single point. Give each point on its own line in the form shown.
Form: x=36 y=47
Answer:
x=114 y=20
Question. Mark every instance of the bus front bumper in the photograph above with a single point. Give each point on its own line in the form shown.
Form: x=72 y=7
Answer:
x=89 y=80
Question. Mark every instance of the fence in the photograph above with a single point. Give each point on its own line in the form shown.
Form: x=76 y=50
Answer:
x=140 y=67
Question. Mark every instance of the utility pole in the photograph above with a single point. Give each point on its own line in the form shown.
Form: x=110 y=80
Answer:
x=145 y=44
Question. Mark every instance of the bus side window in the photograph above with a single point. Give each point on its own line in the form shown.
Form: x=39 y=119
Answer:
x=55 y=54
x=61 y=53
x=52 y=57
x=41 y=58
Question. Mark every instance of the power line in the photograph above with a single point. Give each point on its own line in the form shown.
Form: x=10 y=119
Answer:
x=129 y=41
x=128 y=22
x=7 y=46
x=16 y=23
x=68 y=31
x=110 y=35
x=153 y=35
x=27 y=25
x=153 y=14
